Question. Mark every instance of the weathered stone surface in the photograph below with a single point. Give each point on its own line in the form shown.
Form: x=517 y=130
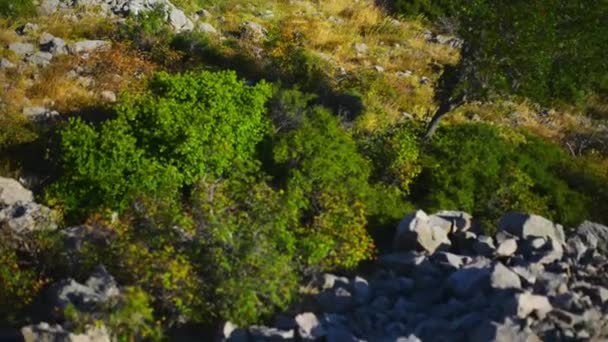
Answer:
x=595 y=235
x=453 y=220
x=12 y=192
x=253 y=31
x=467 y=282
x=21 y=49
x=40 y=58
x=25 y=218
x=44 y=332
x=524 y=225
x=309 y=327
x=416 y=231
x=507 y=248
x=503 y=278
x=528 y=303
x=88 y=46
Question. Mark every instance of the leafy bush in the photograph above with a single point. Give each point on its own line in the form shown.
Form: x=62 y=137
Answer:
x=327 y=181
x=246 y=248
x=185 y=127
x=17 y=8
x=487 y=171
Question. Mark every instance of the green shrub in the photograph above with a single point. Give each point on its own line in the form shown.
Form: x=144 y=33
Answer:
x=185 y=127
x=128 y=317
x=246 y=248
x=327 y=182
x=17 y=8
x=481 y=169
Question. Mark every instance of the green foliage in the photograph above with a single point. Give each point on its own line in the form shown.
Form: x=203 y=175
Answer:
x=486 y=171
x=246 y=249
x=551 y=51
x=327 y=181
x=128 y=317
x=17 y=8
x=185 y=127
x=19 y=285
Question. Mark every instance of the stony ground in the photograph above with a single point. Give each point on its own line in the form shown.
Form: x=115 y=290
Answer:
x=445 y=282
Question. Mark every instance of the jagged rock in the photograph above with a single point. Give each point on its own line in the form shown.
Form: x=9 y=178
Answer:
x=12 y=192
x=454 y=221
x=207 y=28
x=361 y=48
x=417 y=231
x=595 y=234
x=6 y=64
x=44 y=332
x=48 y=7
x=450 y=260
x=40 y=59
x=484 y=245
x=507 y=248
x=309 y=328
x=108 y=96
x=21 y=49
x=329 y=281
x=87 y=46
x=253 y=31
x=266 y=334
x=528 y=303
x=179 y=20
x=24 y=218
x=503 y=278
x=507 y=331
x=231 y=332
x=467 y=282
x=55 y=46
x=361 y=290
x=100 y=287
x=524 y=225
x=26 y=29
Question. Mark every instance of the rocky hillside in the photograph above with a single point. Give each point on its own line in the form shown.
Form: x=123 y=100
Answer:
x=447 y=282
x=240 y=170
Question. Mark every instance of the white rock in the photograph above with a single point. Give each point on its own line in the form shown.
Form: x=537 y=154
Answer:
x=207 y=28
x=21 y=49
x=12 y=192
x=88 y=46
x=528 y=303
x=503 y=278
x=507 y=248
x=309 y=327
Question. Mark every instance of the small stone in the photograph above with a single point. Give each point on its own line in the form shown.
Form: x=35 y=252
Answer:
x=108 y=96
x=507 y=248
x=361 y=48
x=379 y=68
x=405 y=73
x=88 y=46
x=40 y=59
x=503 y=278
x=12 y=192
x=528 y=303
x=21 y=49
x=309 y=327
x=207 y=28
x=26 y=28
x=6 y=64
x=253 y=31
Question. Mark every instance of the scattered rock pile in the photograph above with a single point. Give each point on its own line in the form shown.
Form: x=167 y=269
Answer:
x=446 y=281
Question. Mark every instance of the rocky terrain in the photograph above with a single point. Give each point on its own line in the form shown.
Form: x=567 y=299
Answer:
x=445 y=282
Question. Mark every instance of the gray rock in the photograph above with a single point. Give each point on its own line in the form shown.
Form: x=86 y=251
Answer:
x=21 y=49
x=379 y=68
x=337 y=299
x=55 y=46
x=450 y=260
x=253 y=31
x=231 y=332
x=597 y=293
x=24 y=218
x=108 y=96
x=503 y=278
x=361 y=290
x=309 y=328
x=524 y=225
x=467 y=282
x=88 y=46
x=26 y=29
x=40 y=59
x=507 y=248
x=6 y=64
x=207 y=28
x=48 y=7
x=416 y=231
x=594 y=234
x=266 y=334
x=577 y=248
x=43 y=332
x=12 y=192
x=528 y=303
x=361 y=48
x=329 y=281
x=179 y=21
x=454 y=221
x=550 y=252
x=484 y=245
x=507 y=331
x=99 y=288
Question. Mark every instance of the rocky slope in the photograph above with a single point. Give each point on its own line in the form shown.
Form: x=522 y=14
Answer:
x=447 y=282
